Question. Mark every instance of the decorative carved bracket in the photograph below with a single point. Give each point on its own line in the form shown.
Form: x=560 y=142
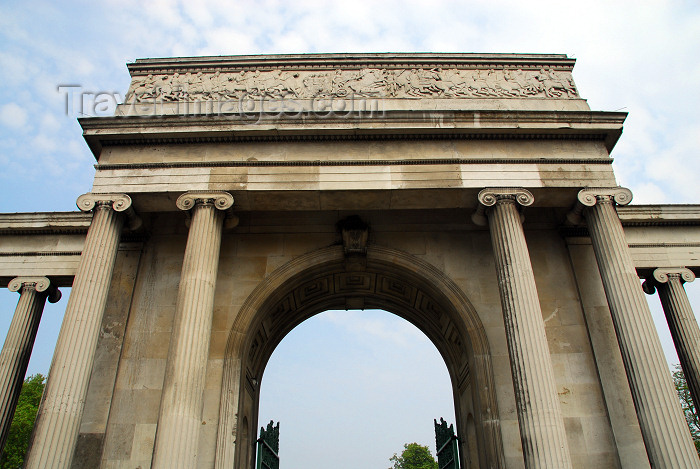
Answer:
x=40 y=284
x=491 y=195
x=589 y=196
x=119 y=203
x=663 y=275
x=355 y=234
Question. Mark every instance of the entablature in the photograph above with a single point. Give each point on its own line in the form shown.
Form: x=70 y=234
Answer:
x=390 y=125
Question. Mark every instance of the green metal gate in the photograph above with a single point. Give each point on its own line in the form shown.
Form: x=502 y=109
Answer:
x=446 y=444
x=269 y=447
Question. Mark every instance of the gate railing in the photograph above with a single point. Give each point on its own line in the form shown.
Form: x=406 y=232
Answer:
x=446 y=444
x=268 y=447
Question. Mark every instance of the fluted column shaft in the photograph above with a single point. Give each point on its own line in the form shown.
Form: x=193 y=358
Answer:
x=18 y=345
x=58 y=420
x=681 y=322
x=542 y=429
x=663 y=426
x=181 y=405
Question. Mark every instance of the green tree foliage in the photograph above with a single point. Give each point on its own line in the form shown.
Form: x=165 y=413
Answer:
x=691 y=413
x=23 y=422
x=414 y=456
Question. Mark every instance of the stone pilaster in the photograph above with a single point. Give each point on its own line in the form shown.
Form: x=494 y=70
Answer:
x=681 y=321
x=663 y=426
x=58 y=420
x=17 y=348
x=181 y=405
x=542 y=429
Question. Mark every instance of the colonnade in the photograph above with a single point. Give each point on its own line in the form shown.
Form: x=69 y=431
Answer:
x=661 y=421
x=540 y=418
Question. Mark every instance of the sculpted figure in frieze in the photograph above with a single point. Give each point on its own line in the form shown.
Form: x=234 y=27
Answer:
x=367 y=82
x=554 y=85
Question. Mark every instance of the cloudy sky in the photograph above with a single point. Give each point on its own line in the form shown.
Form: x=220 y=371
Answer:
x=639 y=57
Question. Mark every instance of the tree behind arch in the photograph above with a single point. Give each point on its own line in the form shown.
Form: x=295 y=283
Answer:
x=22 y=423
x=414 y=456
x=689 y=409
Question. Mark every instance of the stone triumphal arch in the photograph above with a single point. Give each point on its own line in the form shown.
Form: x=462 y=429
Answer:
x=472 y=195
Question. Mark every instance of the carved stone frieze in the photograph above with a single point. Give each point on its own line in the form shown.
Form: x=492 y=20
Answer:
x=366 y=82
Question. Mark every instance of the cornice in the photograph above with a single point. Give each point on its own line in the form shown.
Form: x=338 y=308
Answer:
x=40 y=253
x=349 y=61
x=392 y=125
x=44 y=223
x=659 y=215
x=338 y=163
x=647 y=215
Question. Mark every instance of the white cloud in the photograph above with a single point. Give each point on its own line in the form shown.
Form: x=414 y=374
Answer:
x=372 y=326
x=13 y=115
x=640 y=57
x=649 y=193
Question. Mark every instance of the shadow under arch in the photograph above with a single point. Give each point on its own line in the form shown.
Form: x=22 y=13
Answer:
x=386 y=279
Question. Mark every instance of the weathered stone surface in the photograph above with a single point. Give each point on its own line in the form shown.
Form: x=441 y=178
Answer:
x=58 y=419
x=419 y=136
x=88 y=450
x=19 y=342
x=681 y=320
x=365 y=82
x=663 y=426
x=180 y=416
x=542 y=429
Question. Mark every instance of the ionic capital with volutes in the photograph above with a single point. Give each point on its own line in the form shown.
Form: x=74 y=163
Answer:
x=58 y=420
x=180 y=414
x=38 y=284
x=681 y=320
x=492 y=195
x=664 y=275
x=221 y=200
x=17 y=348
x=540 y=419
x=664 y=429
x=118 y=202
x=590 y=196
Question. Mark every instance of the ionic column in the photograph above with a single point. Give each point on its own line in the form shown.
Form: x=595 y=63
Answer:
x=181 y=405
x=17 y=349
x=542 y=429
x=58 y=420
x=681 y=321
x=663 y=426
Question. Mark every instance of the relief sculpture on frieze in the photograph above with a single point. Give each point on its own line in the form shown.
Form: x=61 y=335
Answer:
x=366 y=82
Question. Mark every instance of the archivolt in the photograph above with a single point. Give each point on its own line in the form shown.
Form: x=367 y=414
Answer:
x=386 y=279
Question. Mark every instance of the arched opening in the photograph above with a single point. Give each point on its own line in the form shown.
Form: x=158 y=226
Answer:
x=350 y=388
x=385 y=279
